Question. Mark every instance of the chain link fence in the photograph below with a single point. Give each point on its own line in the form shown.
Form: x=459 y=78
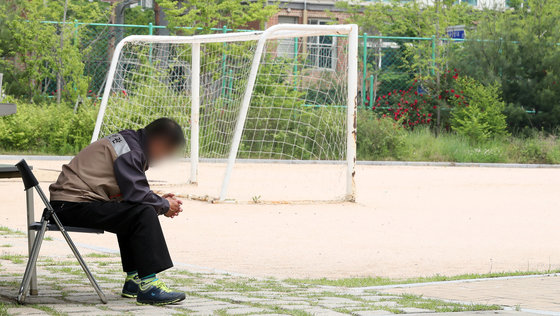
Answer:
x=387 y=63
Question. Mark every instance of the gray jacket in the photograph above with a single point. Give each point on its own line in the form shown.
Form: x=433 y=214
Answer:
x=110 y=169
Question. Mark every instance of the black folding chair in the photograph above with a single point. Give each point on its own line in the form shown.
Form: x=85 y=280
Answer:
x=49 y=221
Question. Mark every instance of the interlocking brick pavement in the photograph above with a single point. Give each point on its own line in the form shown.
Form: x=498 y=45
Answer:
x=64 y=290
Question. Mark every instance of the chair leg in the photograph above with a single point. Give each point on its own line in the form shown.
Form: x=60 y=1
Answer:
x=31 y=262
x=80 y=259
x=33 y=289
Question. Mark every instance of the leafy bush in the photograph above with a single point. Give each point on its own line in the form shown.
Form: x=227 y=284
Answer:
x=540 y=148
x=478 y=111
x=379 y=138
x=49 y=127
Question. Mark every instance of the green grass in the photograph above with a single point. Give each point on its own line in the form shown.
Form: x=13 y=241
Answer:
x=15 y=259
x=409 y=300
x=8 y=231
x=49 y=310
x=100 y=255
x=3 y=310
x=422 y=145
x=380 y=281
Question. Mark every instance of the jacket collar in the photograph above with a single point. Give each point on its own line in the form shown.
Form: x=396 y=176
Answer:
x=143 y=141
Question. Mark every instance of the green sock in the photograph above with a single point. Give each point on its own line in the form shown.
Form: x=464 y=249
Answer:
x=148 y=278
x=130 y=275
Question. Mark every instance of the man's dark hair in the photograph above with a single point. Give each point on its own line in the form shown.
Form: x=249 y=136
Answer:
x=166 y=129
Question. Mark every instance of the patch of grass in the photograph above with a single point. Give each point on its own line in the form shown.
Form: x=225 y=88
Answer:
x=183 y=281
x=48 y=238
x=15 y=259
x=185 y=272
x=183 y=311
x=380 y=281
x=49 y=310
x=8 y=231
x=3 y=309
x=6 y=246
x=221 y=312
x=409 y=300
x=11 y=283
x=343 y=310
x=268 y=308
x=52 y=262
x=99 y=255
x=67 y=270
x=238 y=286
x=421 y=144
x=275 y=286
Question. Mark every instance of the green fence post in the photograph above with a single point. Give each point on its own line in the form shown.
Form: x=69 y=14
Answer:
x=295 y=62
x=150 y=32
x=371 y=87
x=364 y=66
x=75 y=32
x=224 y=63
x=75 y=44
x=230 y=84
x=433 y=55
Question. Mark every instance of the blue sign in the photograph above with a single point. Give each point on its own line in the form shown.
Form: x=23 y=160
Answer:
x=456 y=32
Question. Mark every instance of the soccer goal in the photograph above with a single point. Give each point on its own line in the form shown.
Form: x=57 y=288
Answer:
x=284 y=95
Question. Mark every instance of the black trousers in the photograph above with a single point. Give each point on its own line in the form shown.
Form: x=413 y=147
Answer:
x=137 y=226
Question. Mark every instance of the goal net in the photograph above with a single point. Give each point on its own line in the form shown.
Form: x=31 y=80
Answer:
x=287 y=94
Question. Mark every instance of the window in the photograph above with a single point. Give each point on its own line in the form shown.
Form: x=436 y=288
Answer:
x=286 y=46
x=321 y=49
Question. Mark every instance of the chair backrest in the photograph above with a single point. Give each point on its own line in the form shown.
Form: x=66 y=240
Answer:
x=29 y=180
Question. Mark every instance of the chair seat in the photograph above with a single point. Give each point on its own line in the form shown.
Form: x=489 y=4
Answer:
x=37 y=226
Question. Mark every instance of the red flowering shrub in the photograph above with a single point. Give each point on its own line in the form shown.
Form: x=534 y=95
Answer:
x=409 y=106
x=413 y=108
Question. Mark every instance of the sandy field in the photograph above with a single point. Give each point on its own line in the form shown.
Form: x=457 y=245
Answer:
x=407 y=221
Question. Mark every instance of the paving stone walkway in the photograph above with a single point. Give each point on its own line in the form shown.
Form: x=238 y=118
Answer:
x=64 y=290
x=531 y=293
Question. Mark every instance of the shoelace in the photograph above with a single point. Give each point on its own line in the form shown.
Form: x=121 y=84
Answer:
x=160 y=285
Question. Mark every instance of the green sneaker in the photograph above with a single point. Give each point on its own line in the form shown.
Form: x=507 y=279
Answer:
x=157 y=293
x=131 y=287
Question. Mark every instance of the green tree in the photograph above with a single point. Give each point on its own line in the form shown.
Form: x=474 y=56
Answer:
x=409 y=18
x=478 y=111
x=519 y=48
x=412 y=59
x=31 y=51
x=207 y=14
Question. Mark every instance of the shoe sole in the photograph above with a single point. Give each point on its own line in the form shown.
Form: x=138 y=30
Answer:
x=127 y=295
x=160 y=303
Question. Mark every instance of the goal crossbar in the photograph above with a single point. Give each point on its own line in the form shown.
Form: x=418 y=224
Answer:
x=279 y=31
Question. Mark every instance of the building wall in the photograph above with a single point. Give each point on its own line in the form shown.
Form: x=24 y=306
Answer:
x=481 y=4
x=305 y=10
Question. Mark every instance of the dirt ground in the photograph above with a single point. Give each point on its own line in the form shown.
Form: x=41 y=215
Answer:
x=407 y=221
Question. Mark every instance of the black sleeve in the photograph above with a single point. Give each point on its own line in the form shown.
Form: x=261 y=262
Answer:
x=129 y=172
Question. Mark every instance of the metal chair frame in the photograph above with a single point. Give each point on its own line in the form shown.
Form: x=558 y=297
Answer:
x=49 y=216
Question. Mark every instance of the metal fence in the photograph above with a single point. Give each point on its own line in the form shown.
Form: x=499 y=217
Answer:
x=387 y=63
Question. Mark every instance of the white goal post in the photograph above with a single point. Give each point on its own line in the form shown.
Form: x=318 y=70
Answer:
x=306 y=80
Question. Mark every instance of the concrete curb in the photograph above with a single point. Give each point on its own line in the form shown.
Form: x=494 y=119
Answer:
x=361 y=163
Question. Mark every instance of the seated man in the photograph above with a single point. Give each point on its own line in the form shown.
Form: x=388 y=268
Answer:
x=105 y=187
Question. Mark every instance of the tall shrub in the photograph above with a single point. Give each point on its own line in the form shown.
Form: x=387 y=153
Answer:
x=478 y=113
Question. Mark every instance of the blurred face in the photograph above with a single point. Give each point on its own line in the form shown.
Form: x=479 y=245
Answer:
x=159 y=149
